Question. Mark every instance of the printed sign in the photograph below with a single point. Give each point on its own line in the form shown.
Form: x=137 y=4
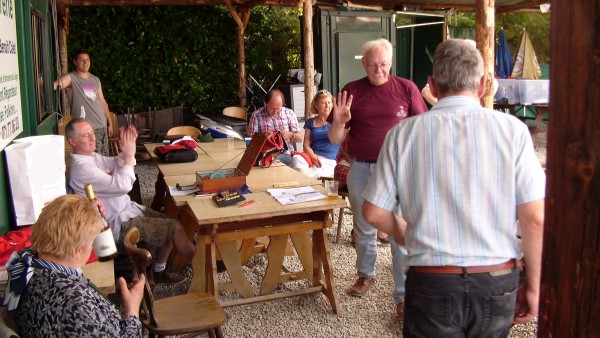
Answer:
x=11 y=117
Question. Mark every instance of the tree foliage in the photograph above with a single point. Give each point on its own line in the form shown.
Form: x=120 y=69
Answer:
x=536 y=24
x=158 y=56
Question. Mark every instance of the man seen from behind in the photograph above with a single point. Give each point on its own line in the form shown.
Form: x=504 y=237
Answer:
x=461 y=176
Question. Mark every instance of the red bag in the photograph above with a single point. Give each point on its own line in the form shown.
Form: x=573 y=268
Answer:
x=273 y=147
x=14 y=241
x=176 y=153
x=19 y=239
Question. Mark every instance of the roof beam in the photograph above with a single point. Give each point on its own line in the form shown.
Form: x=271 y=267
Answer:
x=285 y=3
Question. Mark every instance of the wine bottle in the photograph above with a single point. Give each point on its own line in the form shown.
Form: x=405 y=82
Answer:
x=104 y=243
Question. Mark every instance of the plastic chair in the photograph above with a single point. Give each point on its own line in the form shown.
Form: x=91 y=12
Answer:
x=237 y=112
x=184 y=314
x=193 y=132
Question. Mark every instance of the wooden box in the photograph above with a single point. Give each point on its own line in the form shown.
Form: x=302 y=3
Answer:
x=231 y=178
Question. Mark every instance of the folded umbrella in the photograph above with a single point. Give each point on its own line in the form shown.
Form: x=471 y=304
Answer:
x=504 y=57
x=526 y=64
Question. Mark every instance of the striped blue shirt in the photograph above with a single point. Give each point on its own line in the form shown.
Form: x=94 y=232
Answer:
x=457 y=174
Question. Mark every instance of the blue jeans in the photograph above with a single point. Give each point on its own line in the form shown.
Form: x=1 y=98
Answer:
x=453 y=306
x=366 y=234
x=285 y=159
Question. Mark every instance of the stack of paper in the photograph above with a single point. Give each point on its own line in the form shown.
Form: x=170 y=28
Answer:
x=296 y=195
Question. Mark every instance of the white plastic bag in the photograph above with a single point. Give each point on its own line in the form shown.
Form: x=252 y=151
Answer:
x=36 y=169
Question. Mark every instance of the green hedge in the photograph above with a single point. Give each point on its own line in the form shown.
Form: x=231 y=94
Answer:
x=169 y=56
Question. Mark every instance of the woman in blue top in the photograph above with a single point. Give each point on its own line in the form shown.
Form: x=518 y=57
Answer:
x=316 y=139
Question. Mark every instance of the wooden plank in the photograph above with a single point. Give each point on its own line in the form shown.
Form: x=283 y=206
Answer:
x=179 y=261
x=231 y=259
x=248 y=248
x=273 y=296
x=570 y=290
x=253 y=233
x=309 y=62
x=199 y=268
x=275 y=254
x=322 y=251
x=102 y=274
x=303 y=246
x=206 y=212
x=484 y=30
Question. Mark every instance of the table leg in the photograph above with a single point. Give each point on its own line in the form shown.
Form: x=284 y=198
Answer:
x=247 y=249
x=160 y=191
x=321 y=252
x=231 y=259
x=199 y=268
x=211 y=270
x=275 y=254
x=179 y=261
x=303 y=247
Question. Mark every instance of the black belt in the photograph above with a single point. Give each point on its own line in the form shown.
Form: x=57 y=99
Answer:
x=460 y=270
x=365 y=161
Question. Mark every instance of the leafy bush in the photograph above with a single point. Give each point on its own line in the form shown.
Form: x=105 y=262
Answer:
x=164 y=56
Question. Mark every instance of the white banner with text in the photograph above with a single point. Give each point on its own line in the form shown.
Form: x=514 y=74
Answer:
x=11 y=117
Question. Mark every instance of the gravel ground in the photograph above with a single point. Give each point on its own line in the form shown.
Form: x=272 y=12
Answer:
x=311 y=316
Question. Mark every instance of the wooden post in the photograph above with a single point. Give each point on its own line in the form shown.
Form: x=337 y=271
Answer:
x=241 y=19
x=63 y=33
x=309 y=58
x=485 y=43
x=570 y=291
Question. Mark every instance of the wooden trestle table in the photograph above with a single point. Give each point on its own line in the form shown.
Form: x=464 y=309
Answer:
x=221 y=230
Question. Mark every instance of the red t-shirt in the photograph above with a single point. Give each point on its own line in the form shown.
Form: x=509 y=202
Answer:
x=376 y=109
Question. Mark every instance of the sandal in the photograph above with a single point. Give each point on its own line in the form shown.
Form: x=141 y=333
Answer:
x=383 y=240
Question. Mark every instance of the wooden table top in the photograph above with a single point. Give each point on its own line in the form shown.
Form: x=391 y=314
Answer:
x=260 y=179
x=102 y=274
x=211 y=156
x=206 y=211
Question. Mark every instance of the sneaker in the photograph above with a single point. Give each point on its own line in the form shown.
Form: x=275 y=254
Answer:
x=164 y=277
x=360 y=288
x=400 y=310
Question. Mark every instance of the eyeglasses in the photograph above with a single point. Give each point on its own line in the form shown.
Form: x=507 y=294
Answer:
x=383 y=66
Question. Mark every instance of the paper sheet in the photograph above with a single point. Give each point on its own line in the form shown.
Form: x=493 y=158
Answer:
x=287 y=196
x=185 y=191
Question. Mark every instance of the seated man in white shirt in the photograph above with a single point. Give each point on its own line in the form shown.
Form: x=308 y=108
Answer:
x=112 y=178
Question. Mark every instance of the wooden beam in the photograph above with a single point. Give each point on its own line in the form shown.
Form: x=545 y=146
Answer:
x=281 y=3
x=309 y=58
x=570 y=290
x=530 y=4
x=241 y=17
x=63 y=33
x=484 y=29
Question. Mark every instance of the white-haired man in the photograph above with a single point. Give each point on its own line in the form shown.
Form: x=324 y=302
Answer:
x=379 y=101
x=112 y=178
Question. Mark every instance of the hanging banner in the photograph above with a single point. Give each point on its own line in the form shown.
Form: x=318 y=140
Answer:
x=11 y=117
